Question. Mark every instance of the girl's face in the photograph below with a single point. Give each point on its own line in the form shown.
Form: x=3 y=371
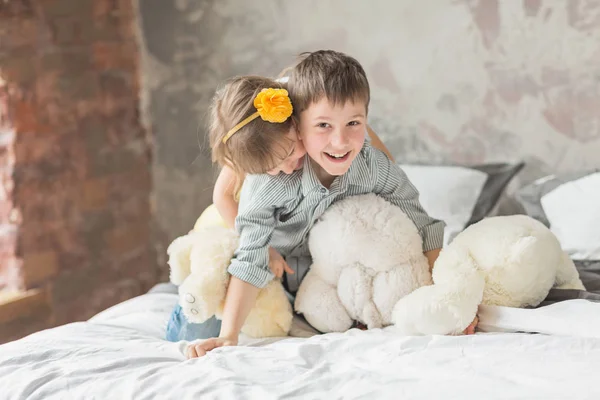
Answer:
x=295 y=158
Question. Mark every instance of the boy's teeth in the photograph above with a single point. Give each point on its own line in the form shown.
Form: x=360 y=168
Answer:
x=337 y=155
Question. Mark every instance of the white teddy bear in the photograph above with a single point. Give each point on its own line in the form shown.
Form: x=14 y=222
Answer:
x=510 y=261
x=367 y=254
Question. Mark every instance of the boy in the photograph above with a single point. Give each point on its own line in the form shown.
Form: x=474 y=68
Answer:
x=330 y=95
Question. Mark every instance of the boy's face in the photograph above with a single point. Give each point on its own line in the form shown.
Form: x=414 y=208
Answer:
x=333 y=135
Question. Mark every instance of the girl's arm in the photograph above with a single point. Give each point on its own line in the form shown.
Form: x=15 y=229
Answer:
x=377 y=143
x=224 y=196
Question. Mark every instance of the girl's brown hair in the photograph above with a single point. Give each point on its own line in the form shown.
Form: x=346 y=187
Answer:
x=258 y=146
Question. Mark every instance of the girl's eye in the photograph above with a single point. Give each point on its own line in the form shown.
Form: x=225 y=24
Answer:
x=354 y=123
x=323 y=125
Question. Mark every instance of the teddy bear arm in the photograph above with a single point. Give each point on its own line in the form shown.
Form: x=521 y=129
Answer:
x=321 y=306
x=179 y=259
x=448 y=306
x=567 y=276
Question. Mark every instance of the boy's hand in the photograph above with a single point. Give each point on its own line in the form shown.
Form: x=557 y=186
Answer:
x=201 y=348
x=277 y=264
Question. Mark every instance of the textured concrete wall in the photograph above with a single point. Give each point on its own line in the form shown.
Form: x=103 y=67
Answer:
x=452 y=81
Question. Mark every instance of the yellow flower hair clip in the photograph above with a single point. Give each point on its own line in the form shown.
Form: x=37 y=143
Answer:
x=272 y=105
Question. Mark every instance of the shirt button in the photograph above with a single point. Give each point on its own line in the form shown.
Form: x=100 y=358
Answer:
x=323 y=190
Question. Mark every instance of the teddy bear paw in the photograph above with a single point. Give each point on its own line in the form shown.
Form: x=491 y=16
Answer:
x=196 y=307
x=430 y=311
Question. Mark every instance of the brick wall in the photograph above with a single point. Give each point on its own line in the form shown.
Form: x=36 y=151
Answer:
x=75 y=160
x=9 y=264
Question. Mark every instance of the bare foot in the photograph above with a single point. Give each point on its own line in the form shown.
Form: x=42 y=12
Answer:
x=470 y=330
x=359 y=325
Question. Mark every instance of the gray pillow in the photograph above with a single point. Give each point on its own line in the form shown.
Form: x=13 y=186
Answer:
x=529 y=197
x=496 y=178
x=499 y=176
x=589 y=272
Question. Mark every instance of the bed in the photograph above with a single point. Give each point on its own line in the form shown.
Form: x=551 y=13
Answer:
x=120 y=353
x=551 y=352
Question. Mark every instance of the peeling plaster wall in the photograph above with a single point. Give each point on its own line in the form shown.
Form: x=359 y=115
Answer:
x=452 y=81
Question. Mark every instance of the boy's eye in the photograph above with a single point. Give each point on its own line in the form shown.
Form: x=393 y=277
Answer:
x=323 y=125
x=354 y=123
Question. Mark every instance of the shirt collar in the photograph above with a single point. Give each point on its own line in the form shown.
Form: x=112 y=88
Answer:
x=357 y=172
x=310 y=181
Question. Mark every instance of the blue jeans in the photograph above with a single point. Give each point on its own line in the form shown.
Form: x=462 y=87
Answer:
x=179 y=328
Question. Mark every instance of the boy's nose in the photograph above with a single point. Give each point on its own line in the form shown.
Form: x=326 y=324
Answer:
x=338 y=138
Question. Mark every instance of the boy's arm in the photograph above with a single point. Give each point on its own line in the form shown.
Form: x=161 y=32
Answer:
x=224 y=196
x=392 y=184
x=225 y=202
x=432 y=255
x=377 y=143
x=260 y=197
x=249 y=268
x=240 y=299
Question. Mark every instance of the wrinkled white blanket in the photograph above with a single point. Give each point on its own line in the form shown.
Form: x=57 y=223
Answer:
x=120 y=354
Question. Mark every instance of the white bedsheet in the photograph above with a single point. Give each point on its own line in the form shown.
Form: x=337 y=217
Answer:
x=120 y=354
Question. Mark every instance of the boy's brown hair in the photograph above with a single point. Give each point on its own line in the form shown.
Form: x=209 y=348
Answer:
x=327 y=73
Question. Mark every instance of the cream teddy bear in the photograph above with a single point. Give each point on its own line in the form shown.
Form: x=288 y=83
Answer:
x=198 y=264
x=510 y=261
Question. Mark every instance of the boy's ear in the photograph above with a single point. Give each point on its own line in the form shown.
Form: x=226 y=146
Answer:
x=296 y=123
x=298 y=134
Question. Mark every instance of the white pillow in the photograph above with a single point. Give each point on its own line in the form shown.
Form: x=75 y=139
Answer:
x=448 y=193
x=573 y=210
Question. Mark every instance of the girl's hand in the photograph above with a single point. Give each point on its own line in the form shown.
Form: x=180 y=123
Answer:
x=200 y=349
x=277 y=264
